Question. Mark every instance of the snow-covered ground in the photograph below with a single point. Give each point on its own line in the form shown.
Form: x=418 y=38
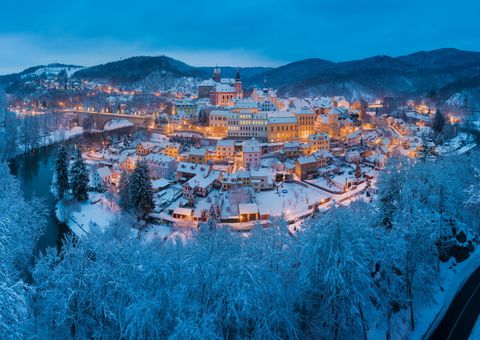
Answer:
x=294 y=202
x=117 y=124
x=80 y=216
x=97 y=213
x=457 y=145
x=452 y=276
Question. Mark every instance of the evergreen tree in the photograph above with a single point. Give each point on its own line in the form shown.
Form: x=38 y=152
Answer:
x=79 y=177
x=123 y=190
x=61 y=172
x=141 y=193
x=358 y=171
x=438 y=122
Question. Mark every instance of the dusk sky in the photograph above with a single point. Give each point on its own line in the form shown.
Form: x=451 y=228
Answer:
x=244 y=33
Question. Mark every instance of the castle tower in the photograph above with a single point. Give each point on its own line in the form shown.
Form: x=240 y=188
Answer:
x=265 y=88
x=238 y=84
x=217 y=74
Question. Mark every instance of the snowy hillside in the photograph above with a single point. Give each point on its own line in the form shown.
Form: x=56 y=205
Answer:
x=52 y=70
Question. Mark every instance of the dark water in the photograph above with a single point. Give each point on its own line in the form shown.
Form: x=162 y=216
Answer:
x=35 y=171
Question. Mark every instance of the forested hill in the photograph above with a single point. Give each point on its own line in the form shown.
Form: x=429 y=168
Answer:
x=137 y=68
x=449 y=75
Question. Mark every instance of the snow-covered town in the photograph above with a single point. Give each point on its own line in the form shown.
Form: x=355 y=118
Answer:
x=257 y=157
x=240 y=170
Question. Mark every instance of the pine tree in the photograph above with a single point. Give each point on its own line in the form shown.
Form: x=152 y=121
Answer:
x=358 y=171
x=141 y=193
x=79 y=177
x=123 y=190
x=61 y=172
x=438 y=122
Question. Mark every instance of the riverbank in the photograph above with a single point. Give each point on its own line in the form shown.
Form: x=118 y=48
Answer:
x=34 y=170
x=61 y=136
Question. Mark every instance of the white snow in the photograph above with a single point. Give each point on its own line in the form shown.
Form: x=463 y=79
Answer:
x=295 y=202
x=80 y=216
x=451 y=279
x=117 y=124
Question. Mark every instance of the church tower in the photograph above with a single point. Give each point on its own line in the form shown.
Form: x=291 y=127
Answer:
x=238 y=84
x=217 y=74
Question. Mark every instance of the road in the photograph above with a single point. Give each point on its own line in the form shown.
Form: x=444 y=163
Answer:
x=461 y=315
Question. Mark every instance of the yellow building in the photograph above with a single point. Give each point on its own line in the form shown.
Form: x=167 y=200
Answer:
x=172 y=150
x=281 y=129
x=328 y=123
x=305 y=122
x=317 y=142
x=197 y=155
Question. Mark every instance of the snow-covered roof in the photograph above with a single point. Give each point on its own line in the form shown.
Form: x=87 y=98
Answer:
x=197 y=151
x=193 y=168
x=226 y=142
x=220 y=113
x=291 y=145
x=251 y=145
x=183 y=211
x=247 y=208
x=104 y=172
x=220 y=87
x=160 y=183
x=282 y=120
x=159 y=157
x=306 y=160
x=202 y=181
x=261 y=172
x=245 y=104
x=318 y=136
x=304 y=110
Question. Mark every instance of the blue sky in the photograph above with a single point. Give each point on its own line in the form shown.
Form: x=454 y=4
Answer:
x=240 y=32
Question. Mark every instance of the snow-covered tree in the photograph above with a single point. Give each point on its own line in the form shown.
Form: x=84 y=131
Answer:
x=335 y=272
x=124 y=191
x=390 y=185
x=8 y=131
x=473 y=190
x=438 y=122
x=21 y=223
x=79 y=177
x=358 y=171
x=141 y=193
x=61 y=172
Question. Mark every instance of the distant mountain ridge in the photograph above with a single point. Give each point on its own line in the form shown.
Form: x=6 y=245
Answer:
x=416 y=74
x=442 y=73
x=135 y=69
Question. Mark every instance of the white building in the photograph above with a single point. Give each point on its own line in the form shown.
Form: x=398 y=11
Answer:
x=161 y=166
x=100 y=177
x=218 y=118
x=246 y=124
x=251 y=154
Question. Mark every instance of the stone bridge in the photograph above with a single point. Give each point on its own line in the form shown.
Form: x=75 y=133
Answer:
x=97 y=120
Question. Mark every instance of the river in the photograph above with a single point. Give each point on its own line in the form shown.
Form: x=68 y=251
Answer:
x=35 y=171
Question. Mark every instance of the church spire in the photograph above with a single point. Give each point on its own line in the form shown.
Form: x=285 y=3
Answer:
x=237 y=75
x=217 y=74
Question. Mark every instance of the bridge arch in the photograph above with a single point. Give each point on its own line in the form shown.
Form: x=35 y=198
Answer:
x=98 y=120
